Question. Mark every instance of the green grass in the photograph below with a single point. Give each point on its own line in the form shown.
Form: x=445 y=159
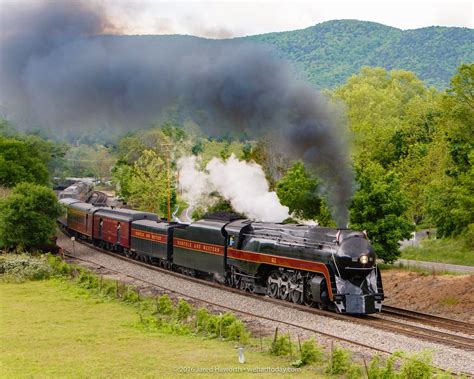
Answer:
x=449 y=250
x=52 y=328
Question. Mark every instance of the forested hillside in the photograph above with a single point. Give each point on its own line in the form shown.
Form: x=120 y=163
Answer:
x=330 y=52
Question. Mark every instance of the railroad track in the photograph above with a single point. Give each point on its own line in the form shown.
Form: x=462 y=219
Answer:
x=428 y=319
x=394 y=326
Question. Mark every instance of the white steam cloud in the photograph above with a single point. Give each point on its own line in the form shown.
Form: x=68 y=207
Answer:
x=243 y=184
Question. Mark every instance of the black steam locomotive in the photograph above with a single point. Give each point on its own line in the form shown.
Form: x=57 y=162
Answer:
x=317 y=266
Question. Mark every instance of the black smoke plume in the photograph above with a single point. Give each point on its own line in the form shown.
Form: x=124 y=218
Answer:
x=60 y=68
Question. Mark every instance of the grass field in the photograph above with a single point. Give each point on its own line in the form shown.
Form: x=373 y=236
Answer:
x=453 y=251
x=52 y=328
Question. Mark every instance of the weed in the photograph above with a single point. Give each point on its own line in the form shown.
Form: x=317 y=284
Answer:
x=339 y=363
x=449 y=300
x=381 y=369
x=184 y=310
x=213 y=325
x=165 y=305
x=417 y=366
x=202 y=317
x=310 y=352
x=237 y=332
x=281 y=346
x=130 y=295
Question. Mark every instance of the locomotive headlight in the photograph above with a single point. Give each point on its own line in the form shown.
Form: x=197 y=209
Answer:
x=364 y=259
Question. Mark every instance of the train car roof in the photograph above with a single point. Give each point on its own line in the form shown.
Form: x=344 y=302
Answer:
x=159 y=224
x=237 y=226
x=69 y=200
x=125 y=214
x=86 y=207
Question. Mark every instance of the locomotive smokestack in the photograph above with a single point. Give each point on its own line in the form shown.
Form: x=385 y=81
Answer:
x=58 y=68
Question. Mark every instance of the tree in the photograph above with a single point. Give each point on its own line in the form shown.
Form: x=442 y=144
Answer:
x=28 y=216
x=396 y=121
x=20 y=163
x=148 y=184
x=388 y=112
x=449 y=198
x=378 y=207
x=298 y=190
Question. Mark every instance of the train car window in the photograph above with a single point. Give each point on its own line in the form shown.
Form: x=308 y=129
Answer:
x=118 y=232
x=101 y=224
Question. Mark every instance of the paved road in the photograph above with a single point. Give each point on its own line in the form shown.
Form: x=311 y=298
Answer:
x=417 y=237
x=436 y=266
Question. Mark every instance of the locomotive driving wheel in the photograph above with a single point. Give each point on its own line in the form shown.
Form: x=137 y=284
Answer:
x=296 y=288
x=273 y=284
x=307 y=294
x=284 y=286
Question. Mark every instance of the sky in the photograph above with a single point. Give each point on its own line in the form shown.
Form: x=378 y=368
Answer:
x=222 y=19
x=227 y=18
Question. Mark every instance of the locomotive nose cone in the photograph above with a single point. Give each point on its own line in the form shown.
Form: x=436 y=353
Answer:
x=355 y=256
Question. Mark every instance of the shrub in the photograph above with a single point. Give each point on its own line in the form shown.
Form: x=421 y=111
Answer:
x=131 y=296
x=87 y=280
x=417 y=366
x=22 y=267
x=165 y=305
x=469 y=237
x=109 y=288
x=281 y=346
x=184 y=310
x=213 y=325
x=202 y=317
x=380 y=369
x=310 y=353
x=354 y=372
x=237 y=332
x=339 y=363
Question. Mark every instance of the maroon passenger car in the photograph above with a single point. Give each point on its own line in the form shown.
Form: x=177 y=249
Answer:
x=113 y=226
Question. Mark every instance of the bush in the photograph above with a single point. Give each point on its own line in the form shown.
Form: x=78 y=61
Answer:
x=417 y=366
x=202 y=317
x=184 y=310
x=238 y=332
x=340 y=362
x=22 y=267
x=469 y=237
x=310 y=353
x=281 y=346
x=131 y=295
x=380 y=369
x=213 y=325
x=165 y=305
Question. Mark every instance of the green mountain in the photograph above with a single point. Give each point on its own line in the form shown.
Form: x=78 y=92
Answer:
x=330 y=52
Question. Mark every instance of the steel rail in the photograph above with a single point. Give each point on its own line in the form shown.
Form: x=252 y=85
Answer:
x=429 y=319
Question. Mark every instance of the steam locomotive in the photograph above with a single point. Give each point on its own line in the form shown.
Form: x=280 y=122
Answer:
x=316 y=266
